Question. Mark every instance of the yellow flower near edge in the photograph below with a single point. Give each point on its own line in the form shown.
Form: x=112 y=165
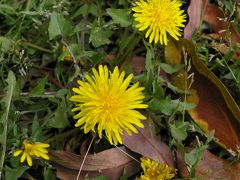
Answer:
x=152 y=170
x=32 y=150
x=106 y=101
x=159 y=17
x=68 y=57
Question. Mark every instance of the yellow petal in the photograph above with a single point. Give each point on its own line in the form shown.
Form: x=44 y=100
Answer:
x=17 y=153
x=29 y=160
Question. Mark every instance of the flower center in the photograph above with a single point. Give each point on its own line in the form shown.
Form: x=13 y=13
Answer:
x=27 y=148
x=110 y=104
x=160 y=15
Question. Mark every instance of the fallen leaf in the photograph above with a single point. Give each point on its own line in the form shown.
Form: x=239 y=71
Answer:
x=224 y=49
x=215 y=105
x=110 y=163
x=217 y=20
x=149 y=145
x=194 y=14
x=211 y=167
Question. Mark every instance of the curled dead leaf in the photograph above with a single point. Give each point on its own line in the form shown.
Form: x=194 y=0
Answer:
x=194 y=14
x=216 y=109
x=110 y=163
x=149 y=145
x=218 y=21
x=215 y=105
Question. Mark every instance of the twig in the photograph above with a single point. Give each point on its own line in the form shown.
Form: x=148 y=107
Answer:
x=37 y=47
x=45 y=95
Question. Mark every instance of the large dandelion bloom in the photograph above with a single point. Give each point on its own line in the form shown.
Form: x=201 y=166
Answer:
x=159 y=17
x=106 y=103
x=30 y=150
x=152 y=170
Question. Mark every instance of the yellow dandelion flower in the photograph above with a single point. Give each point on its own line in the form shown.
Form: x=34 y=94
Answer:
x=159 y=17
x=152 y=170
x=32 y=150
x=106 y=101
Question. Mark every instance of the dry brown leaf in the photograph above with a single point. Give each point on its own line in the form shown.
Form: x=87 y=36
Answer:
x=211 y=167
x=110 y=163
x=215 y=105
x=149 y=145
x=224 y=49
x=216 y=109
x=216 y=19
x=194 y=14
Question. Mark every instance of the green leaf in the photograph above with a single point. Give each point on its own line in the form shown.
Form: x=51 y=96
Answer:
x=5 y=44
x=15 y=174
x=39 y=88
x=120 y=16
x=158 y=91
x=6 y=102
x=179 y=130
x=170 y=69
x=168 y=106
x=99 y=36
x=58 y=26
x=149 y=66
x=192 y=158
x=60 y=119
x=49 y=174
x=83 y=10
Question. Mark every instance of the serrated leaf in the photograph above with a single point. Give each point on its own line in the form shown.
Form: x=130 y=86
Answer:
x=168 y=106
x=120 y=16
x=99 y=36
x=179 y=130
x=58 y=26
x=59 y=119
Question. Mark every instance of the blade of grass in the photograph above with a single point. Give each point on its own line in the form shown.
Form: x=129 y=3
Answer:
x=11 y=80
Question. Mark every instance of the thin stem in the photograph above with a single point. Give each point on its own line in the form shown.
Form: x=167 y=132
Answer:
x=84 y=159
x=126 y=153
x=37 y=47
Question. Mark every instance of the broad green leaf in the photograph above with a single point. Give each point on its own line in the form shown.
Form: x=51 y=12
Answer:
x=168 y=106
x=58 y=26
x=120 y=16
x=179 y=130
x=99 y=36
x=193 y=157
x=60 y=119
x=15 y=174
